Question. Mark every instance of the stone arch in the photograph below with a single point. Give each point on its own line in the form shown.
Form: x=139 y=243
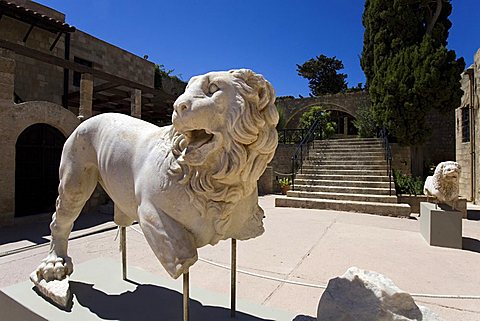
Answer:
x=37 y=158
x=347 y=103
x=328 y=106
x=34 y=112
x=14 y=119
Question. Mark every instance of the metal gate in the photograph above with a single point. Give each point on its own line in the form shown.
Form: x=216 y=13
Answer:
x=38 y=152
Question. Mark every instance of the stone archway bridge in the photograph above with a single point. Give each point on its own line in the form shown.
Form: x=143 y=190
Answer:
x=344 y=102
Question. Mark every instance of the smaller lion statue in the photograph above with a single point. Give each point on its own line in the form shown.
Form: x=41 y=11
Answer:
x=443 y=185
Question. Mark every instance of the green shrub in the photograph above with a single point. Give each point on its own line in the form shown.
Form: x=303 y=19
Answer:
x=307 y=119
x=285 y=181
x=365 y=123
x=405 y=184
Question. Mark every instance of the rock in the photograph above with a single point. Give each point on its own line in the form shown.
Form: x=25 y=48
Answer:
x=55 y=290
x=361 y=295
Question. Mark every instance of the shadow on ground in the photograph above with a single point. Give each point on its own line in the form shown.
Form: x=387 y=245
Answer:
x=148 y=302
x=470 y=244
x=37 y=232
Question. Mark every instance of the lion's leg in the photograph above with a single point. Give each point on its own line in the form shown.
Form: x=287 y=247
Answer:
x=76 y=187
x=120 y=218
x=173 y=245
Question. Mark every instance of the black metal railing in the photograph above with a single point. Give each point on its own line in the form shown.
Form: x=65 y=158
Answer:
x=388 y=154
x=301 y=152
x=291 y=135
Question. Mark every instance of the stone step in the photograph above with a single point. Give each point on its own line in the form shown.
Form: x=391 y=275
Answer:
x=346 y=153
x=378 y=178
x=345 y=190
x=349 y=140
x=344 y=183
x=319 y=157
x=345 y=162
x=344 y=196
x=387 y=209
x=347 y=166
x=331 y=144
x=346 y=148
x=343 y=172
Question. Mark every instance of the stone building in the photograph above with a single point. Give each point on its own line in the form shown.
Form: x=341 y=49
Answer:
x=52 y=76
x=467 y=132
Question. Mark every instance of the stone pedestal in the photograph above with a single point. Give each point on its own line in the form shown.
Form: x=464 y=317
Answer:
x=99 y=293
x=440 y=225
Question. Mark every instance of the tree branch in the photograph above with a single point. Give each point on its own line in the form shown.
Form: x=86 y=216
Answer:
x=433 y=20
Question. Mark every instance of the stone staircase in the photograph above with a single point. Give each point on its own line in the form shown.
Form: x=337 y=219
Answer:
x=345 y=175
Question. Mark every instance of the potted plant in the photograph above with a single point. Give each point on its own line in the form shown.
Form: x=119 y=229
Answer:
x=285 y=183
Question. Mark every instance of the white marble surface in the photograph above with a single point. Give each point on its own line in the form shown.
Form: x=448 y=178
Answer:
x=444 y=185
x=188 y=185
x=360 y=295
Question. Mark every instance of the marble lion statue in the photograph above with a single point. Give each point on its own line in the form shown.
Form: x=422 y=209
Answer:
x=187 y=185
x=443 y=185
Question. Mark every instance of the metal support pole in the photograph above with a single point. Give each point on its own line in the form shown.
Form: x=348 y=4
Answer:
x=123 y=247
x=186 y=296
x=233 y=279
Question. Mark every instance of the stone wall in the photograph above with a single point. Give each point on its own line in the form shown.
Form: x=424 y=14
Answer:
x=344 y=102
x=111 y=59
x=281 y=164
x=14 y=119
x=401 y=158
x=467 y=152
x=441 y=145
x=35 y=80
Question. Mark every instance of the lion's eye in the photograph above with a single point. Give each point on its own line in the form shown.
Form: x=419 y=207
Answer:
x=212 y=88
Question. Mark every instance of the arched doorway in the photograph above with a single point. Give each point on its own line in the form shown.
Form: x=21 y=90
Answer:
x=344 y=121
x=38 y=151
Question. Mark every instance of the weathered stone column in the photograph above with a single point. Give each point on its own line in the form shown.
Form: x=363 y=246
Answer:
x=7 y=78
x=86 y=96
x=136 y=103
x=345 y=126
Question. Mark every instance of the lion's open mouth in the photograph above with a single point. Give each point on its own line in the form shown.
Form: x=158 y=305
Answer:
x=198 y=138
x=200 y=143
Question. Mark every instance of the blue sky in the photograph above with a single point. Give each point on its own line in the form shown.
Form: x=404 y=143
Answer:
x=270 y=37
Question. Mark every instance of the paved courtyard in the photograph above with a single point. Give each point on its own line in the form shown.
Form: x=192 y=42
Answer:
x=300 y=245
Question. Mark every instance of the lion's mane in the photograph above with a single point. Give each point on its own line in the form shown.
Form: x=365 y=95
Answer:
x=249 y=142
x=448 y=189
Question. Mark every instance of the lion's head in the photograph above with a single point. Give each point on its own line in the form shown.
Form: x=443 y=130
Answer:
x=224 y=135
x=445 y=180
x=447 y=171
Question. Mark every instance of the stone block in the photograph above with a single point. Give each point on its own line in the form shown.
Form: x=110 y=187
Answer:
x=440 y=225
x=7 y=65
x=360 y=295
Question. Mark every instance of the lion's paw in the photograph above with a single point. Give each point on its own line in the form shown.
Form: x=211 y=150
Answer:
x=54 y=267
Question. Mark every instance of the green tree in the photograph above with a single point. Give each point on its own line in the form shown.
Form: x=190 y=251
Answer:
x=408 y=68
x=161 y=71
x=307 y=119
x=365 y=123
x=322 y=74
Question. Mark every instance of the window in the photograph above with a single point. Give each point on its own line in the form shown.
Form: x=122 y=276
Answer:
x=466 y=124
x=76 y=75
